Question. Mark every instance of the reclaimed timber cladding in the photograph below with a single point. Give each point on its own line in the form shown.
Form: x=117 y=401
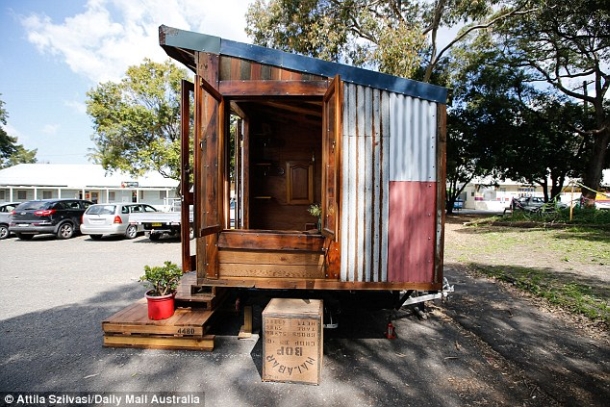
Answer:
x=271 y=255
x=237 y=69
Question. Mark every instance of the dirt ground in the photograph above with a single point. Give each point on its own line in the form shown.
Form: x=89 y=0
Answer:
x=564 y=359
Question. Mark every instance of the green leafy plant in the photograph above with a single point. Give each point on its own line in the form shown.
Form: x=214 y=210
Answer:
x=315 y=210
x=162 y=280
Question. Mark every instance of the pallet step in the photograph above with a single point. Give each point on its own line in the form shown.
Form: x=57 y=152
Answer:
x=160 y=342
x=186 y=329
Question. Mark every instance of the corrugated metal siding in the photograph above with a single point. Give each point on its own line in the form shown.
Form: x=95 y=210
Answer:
x=413 y=126
x=386 y=137
x=365 y=170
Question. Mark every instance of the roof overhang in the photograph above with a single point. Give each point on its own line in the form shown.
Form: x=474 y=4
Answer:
x=182 y=45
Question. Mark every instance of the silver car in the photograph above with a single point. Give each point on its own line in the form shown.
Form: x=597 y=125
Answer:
x=5 y=214
x=112 y=219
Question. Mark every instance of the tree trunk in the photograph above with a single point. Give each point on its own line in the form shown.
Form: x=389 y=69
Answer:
x=596 y=166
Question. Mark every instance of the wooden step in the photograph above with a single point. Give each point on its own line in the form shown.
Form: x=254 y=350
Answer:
x=189 y=293
x=131 y=328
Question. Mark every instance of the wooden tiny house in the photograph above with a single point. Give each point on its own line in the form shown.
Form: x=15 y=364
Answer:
x=368 y=148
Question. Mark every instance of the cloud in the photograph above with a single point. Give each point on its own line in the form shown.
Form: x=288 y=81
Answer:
x=76 y=105
x=111 y=35
x=50 y=129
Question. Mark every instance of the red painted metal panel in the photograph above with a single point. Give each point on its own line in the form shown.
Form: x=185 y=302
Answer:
x=411 y=231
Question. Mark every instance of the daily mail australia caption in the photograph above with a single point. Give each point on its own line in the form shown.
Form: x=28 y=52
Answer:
x=104 y=399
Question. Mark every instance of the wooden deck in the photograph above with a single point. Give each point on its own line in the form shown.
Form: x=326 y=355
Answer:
x=131 y=328
x=186 y=329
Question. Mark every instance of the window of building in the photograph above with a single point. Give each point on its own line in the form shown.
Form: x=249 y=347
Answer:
x=111 y=196
x=2 y=195
x=47 y=194
x=22 y=195
x=162 y=194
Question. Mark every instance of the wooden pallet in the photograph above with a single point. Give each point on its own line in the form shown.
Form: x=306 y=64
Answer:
x=131 y=328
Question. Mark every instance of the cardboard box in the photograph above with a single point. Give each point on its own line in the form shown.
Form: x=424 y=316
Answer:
x=292 y=340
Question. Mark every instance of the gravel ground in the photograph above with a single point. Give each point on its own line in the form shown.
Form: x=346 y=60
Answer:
x=486 y=346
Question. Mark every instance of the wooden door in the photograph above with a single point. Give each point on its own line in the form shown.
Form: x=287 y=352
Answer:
x=209 y=176
x=331 y=142
x=186 y=172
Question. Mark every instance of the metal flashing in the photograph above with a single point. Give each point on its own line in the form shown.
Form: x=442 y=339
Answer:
x=172 y=38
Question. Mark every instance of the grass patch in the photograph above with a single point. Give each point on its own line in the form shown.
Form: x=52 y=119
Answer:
x=558 y=290
x=584 y=216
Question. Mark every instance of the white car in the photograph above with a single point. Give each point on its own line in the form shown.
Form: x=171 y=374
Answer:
x=5 y=214
x=112 y=219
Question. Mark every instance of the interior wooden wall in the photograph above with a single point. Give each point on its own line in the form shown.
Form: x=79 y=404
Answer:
x=273 y=144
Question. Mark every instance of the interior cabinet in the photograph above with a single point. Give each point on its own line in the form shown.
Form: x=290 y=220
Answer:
x=299 y=182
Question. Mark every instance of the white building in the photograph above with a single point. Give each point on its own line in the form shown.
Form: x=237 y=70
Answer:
x=42 y=181
x=491 y=195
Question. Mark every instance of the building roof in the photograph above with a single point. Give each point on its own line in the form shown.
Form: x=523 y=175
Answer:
x=181 y=45
x=76 y=176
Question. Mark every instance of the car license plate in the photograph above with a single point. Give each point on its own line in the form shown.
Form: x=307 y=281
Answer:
x=156 y=224
x=23 y=224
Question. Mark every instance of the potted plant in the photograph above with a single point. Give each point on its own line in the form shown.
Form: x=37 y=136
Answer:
x=316 y=210
x=162 y=282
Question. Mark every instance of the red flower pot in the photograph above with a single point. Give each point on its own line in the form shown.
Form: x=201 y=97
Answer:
x=160 y=307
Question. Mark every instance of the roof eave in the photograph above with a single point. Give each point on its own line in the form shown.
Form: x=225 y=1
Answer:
x=181 y=45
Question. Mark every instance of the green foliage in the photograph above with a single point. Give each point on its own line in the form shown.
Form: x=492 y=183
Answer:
x=580 y=216
x=397 y=37
x=137 y=121
x=12 y=153
x=576 y=297
x=162 y=280
x=564 y=44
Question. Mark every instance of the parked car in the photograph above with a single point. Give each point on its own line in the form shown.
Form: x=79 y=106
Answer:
x=113 y=219
x=536 y=204
x=5 y=214
x=60 y=217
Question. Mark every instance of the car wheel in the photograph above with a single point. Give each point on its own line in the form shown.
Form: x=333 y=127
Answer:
x=4 y=232
x=65 y=231
x=131 y=232
x=154 y=236
x=95 y=237
x=24 y=237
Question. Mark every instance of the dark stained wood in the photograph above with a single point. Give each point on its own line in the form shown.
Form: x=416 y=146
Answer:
x=270 y=240
x=441 y=152
x=187 y=89
x=272 y=88
x=210 y=112
x=316 y=284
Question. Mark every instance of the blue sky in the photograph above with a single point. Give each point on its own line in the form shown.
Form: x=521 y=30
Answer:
x=53 y=51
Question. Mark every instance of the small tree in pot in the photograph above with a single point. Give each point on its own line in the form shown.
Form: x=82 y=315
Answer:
x=162 y=282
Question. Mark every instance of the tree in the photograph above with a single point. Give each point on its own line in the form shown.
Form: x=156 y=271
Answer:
x=137 y=121
x=397 y=37
x=12 y=153
x=565 y=44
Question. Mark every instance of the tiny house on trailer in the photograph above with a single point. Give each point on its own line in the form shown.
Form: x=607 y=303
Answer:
x=368 y=148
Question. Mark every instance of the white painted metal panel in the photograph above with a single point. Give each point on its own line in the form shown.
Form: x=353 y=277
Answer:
x=365 y=171
x=413 y=139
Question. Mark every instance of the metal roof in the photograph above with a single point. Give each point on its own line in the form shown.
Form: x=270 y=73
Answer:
x=76 y=176
x=181 y=45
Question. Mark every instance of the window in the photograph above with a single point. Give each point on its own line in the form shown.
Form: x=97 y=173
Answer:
x=47 y=194
x=111 y=196
x=22 y=195
x=162 y=194
x=2 y=195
